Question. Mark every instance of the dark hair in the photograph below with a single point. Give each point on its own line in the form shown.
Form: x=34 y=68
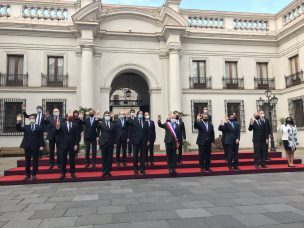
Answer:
x=176 y=112
x=39 y=106
x=107 y=112
x=132 y=110
x=139 y=112
x=291 y=121
x=75 y=112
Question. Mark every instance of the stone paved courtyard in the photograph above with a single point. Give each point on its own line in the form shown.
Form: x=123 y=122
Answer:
x=262 y=200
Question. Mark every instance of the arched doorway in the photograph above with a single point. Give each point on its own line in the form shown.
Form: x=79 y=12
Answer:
x=129 y=91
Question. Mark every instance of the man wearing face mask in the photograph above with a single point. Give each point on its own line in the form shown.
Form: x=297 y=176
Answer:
x=181 y=123
x=232 y=140
x=205 y=140
x=53 y=138
x=90 y=138
x=130 y=118
x=69 y=132
x=39 y=119
x=172 y=138
x=121 y=134
x=152 y=138
x=206 y=111
x=32 y=142
x=268 y=131
x=78 y=121
x=259 y=139
x=106 y=133
x=140 y=141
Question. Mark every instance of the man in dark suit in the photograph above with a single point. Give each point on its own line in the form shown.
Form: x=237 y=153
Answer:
x=39 y=119
x=53 y=138
x=130 y=118
x=266 y=121
x=106 y=133
x=172 y=138
x=68 y=131
x=90 y=138
x=32 y=142
x=232 y=140
x=222 y=129
x=206 y=111
x=205 y=140
x=152 y=138
x=140 y=141
x=121 y=135
x=259 y=138
x=78 y=122
x=181 y=123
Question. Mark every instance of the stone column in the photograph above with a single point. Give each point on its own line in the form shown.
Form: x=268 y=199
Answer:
x=174 y=83
x=87 y=78
x=104 y=100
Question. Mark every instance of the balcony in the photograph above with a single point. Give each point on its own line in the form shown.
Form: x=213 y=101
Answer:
x=200 y=83
x=264 y=83
x=49 y=80
x=233 y=83
x=125 y=103
x=294 y=79
x=14 y=80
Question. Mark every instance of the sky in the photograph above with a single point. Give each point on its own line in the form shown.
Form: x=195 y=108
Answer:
x=256 y=6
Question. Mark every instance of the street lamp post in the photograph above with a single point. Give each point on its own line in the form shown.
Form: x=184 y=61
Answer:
x=271 y=103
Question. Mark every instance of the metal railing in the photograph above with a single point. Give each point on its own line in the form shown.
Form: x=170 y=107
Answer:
x=294 y=79
x=233 y=83
x=264 y=83
x=14 y=80
x=49 y=80
x=200 y=83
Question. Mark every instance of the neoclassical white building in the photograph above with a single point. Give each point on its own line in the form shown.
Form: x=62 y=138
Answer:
x=67 y=54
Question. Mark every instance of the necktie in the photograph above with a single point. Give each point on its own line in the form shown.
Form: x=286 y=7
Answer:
x=70 y=125
x=91 y=121
x=122 y=123
x=38 y=120
x=55 y=121
x=108 y=124
x=206 y=124
x=33 y=127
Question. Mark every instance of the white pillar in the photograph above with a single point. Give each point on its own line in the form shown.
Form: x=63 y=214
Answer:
x=104 y=100
x=175 y=86
x=87 y=78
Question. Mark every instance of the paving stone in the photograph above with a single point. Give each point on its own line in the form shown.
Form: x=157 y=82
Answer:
x=223 y=211
x=128 y=217
x=58 y=222
x=86 y=197
x=285 y=217
x=279 y=207
x=112 y=209
x=20 y=215
x=222 y=221
x=188 y=223
x=80 y=211
x=254 y=219
x=251 y=209
x=161 y=215
x=42 y=214
x=36 y=207
x=94 y=220
x=22 y=223
x=193 y=213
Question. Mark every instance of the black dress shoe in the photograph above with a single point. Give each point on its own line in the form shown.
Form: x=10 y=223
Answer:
x=174 y=172
x=152 y=163
x=62 y=176
x=118 y=163
x=171 y=172
x=236 y=168
x=208 y=170
x=104 y=175
x=143 y=172
x=202 y=172
x=27 y=177
x=109 y=174
x=73 y=176
x=34 y=178
x=264 y=166
x=125 y=164
x=135 y=172
x=86 y=165
x=51 y=167
x=230 y=168
x=94 y=166
x=256 y=166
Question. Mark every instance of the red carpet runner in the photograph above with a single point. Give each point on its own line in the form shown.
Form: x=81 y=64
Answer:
x=189 y=168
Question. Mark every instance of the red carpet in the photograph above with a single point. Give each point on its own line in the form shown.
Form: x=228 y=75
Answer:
x=189 y=168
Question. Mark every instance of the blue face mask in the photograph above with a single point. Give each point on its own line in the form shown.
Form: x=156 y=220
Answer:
x=140 y=116
x=231 y=120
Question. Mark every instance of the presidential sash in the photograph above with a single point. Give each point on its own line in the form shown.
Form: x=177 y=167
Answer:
x=172 y=133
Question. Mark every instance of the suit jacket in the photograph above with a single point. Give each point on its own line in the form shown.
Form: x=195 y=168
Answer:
x=51 y=128
x=106 y=134
x=259 y=132
x=203 y=134
x=152 y=133
x=222 y=129
x=183 y=130
x=169 y=139
x=232 y=133
x=267 y=125
x=138 y=133
x=121 y=132
x=31 y=139
x=90 y=131
x=70 y=138
x=130 y=128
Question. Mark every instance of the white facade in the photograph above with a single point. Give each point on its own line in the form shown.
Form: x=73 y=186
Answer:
x=100 y=42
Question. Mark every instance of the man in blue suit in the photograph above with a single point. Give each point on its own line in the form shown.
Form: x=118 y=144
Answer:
x=32 y=143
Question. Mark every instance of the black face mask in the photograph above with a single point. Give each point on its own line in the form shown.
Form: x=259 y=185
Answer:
x=177 y=117
x=205 y=120
x=231 y=120
x=91 y=115
x=289 y=121
x=257 y=117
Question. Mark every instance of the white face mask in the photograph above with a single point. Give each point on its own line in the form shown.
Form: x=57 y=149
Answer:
x=39 y=111
x=147 y=117
x=173 y=120
x=122 y=116
x=262 y=115
x=32 y=121
x=132 y=114
x=107 y=118
x=56 y=113
x=140 y=116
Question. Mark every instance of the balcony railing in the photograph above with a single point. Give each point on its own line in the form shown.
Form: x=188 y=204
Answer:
x=206 y=22
x=125 y=103
x=200 y=83
x=49 y=80
x=294 y=79
x=233 y=83
x=14 y=80
x=5 y=10
x=264 y=83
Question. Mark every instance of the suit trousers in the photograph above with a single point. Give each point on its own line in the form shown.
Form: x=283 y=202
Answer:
x=88 y=144
x=180 y=151
x=259 y=153
x=205 y=155
x=232 y=155
x=139 y=155
x=171 y=155
x=130 y=147
x=65 y=152
x=107 y=157
x=121 y=144
x=52 y=145
x=150 y=149
x=29 y=155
